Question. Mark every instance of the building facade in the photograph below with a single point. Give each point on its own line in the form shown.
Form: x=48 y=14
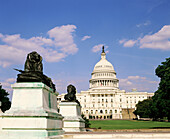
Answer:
x=104 y=99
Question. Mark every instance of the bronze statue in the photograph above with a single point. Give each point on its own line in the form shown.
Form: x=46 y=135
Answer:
x=71 y=94
x=34 y=62
x=33 y=71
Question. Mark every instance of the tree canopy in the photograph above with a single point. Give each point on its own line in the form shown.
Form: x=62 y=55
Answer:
x=161 y=100
x=143 y=108
x=5 y=103
x=159 y=105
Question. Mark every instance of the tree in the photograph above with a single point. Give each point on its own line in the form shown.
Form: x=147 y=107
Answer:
x=5 y=103
x=87 y=123
x=143 y=108
x=161 y=100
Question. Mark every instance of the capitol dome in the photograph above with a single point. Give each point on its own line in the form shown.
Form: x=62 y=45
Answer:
x=103 y=75
x=103 y=64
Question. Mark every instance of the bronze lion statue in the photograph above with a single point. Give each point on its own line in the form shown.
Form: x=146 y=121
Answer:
x=71 y=94
x=34 y=62
x=33 y=71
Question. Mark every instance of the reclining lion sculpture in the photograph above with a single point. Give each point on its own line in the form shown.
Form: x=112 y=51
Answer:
x=33 y=71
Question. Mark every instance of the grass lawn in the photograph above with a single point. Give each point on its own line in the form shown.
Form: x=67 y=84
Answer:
x=128 y=124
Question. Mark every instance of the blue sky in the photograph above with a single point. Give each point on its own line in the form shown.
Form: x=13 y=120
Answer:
x=68 y=34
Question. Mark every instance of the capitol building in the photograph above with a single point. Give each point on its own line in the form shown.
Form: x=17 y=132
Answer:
x=104 y=99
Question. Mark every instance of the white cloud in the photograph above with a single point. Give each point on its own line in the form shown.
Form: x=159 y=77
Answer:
x=159 y=40
x=136 y=78
x=98 y=48
x=141 y=83
x=144 y=24
x=56 y=47
x=129 y=43
x=85 y=38
x=122 y=41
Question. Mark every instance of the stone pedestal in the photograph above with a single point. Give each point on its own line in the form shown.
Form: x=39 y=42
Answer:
x=73 y=121
x=33 y=113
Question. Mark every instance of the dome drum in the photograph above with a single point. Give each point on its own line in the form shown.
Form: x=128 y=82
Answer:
x=104 y=83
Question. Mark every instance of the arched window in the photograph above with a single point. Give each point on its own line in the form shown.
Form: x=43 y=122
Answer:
x=105 y=111
x=101 y=111
x=91 y=111
x=115 y=111
x=110 y=111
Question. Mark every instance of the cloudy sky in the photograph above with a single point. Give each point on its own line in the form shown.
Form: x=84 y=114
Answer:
x=69 y=34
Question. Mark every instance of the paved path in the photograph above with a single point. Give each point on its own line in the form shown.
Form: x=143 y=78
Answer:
x=121 y=134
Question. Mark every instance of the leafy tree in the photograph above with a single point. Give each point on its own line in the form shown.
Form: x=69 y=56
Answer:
x=5 y=103
x=143 y=108
x=161 y=100
x=87 y=123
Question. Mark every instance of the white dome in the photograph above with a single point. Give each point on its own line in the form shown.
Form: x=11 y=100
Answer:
x=104 y=75
x=103 y=65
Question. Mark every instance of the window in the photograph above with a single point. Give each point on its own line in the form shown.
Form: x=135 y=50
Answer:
x=86 y=111
x=105 y=111
x=101 y=111
x=111 y=100
x=91 y=111
x=115 y=111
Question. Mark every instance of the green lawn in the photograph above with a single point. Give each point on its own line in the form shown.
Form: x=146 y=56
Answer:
x=128 y=124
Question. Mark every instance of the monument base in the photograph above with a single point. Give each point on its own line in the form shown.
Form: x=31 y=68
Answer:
x=33 y=113
x=73 y=121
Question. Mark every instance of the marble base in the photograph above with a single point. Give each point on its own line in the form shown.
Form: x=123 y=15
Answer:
x=73 y=121
x=33 y=113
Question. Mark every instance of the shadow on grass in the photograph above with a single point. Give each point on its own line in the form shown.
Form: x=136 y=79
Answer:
x=160 y=128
